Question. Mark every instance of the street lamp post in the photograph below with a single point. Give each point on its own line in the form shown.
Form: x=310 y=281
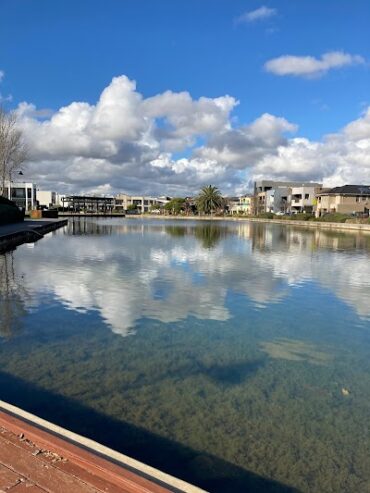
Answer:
x=20 y=172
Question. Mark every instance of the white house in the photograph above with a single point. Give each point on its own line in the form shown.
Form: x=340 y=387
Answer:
x=303 y=198
x=22 y=193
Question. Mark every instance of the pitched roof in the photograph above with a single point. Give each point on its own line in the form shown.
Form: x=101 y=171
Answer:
x=349 y=190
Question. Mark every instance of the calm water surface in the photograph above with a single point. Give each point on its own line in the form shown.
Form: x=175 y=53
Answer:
x=233 y=355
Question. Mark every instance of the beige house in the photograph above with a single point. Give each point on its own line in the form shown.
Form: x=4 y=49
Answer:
x=48 y=198
x=122 y=202
x=348 y=199
x=242 y=206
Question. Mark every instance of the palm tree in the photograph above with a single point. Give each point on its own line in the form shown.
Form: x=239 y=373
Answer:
x=209 y=199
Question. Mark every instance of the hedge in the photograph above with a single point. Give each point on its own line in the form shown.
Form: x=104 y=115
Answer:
x=9 y=212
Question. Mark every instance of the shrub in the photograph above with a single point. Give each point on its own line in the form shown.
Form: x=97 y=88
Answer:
x=335 y=217
x=9 y=213
x=5 y=201
x=302 y=217
x=266 y=215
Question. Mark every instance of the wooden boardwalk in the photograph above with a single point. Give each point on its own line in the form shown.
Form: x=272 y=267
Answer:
x=32 y=460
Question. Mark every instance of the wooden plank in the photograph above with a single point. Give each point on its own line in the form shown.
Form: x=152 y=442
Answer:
x=25 y=487
x=59 y=462
x=55 y=460
x=77 y=471
x=8 y=478
x=44 y=475
x=111 y=473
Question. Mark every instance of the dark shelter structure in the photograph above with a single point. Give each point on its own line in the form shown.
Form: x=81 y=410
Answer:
x=92 y=205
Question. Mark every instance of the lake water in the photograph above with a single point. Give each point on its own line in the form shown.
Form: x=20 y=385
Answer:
x=233 y=355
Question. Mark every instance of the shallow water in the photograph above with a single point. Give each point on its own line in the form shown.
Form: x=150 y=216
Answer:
x=233 y=355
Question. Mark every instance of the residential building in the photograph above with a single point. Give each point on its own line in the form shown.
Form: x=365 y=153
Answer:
x=230 y=203
x=348 y=199
x=276 y=199
x=303 y=198
x=273 y=196
x=22 y=193
x=243 y=205
x=264 y=201
x=122 y=202
x=48 y=199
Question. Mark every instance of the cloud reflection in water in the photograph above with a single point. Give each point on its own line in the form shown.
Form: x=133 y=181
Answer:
x=129 y=270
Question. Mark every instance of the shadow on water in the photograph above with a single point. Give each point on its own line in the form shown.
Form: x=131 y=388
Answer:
x=207 y=471
x=233 y=374
x=225 y=375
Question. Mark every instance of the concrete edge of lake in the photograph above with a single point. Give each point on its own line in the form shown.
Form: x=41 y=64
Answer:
x=96 y=459
x=13 y=235
x=307 y=224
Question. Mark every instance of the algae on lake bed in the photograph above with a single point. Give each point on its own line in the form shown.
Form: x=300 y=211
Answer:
x=294 y=350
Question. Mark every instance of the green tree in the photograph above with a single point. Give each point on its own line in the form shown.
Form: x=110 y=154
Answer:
x=209 y=199
x=175 y=206
x=132 y=207
x=155 y=207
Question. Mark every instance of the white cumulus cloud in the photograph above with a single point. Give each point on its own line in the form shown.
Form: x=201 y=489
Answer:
x=173 y=144
x=256 y=15
x=337 y=159
x=309 y=66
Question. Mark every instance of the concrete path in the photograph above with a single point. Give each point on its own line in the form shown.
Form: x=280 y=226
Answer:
x=12 y=235
x=28 y=225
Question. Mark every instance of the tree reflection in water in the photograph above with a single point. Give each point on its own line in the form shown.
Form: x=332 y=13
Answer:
x=208 y=234
x=13 y=296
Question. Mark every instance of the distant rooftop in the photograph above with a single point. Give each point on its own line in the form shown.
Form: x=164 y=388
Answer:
x=87 y=197
x=287 y=183
x=349 y=190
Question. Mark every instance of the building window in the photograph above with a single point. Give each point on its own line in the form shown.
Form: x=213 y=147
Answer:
x=19 y=193
x=307 y=196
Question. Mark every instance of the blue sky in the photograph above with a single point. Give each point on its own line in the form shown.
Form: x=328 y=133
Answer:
x=55 y=52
